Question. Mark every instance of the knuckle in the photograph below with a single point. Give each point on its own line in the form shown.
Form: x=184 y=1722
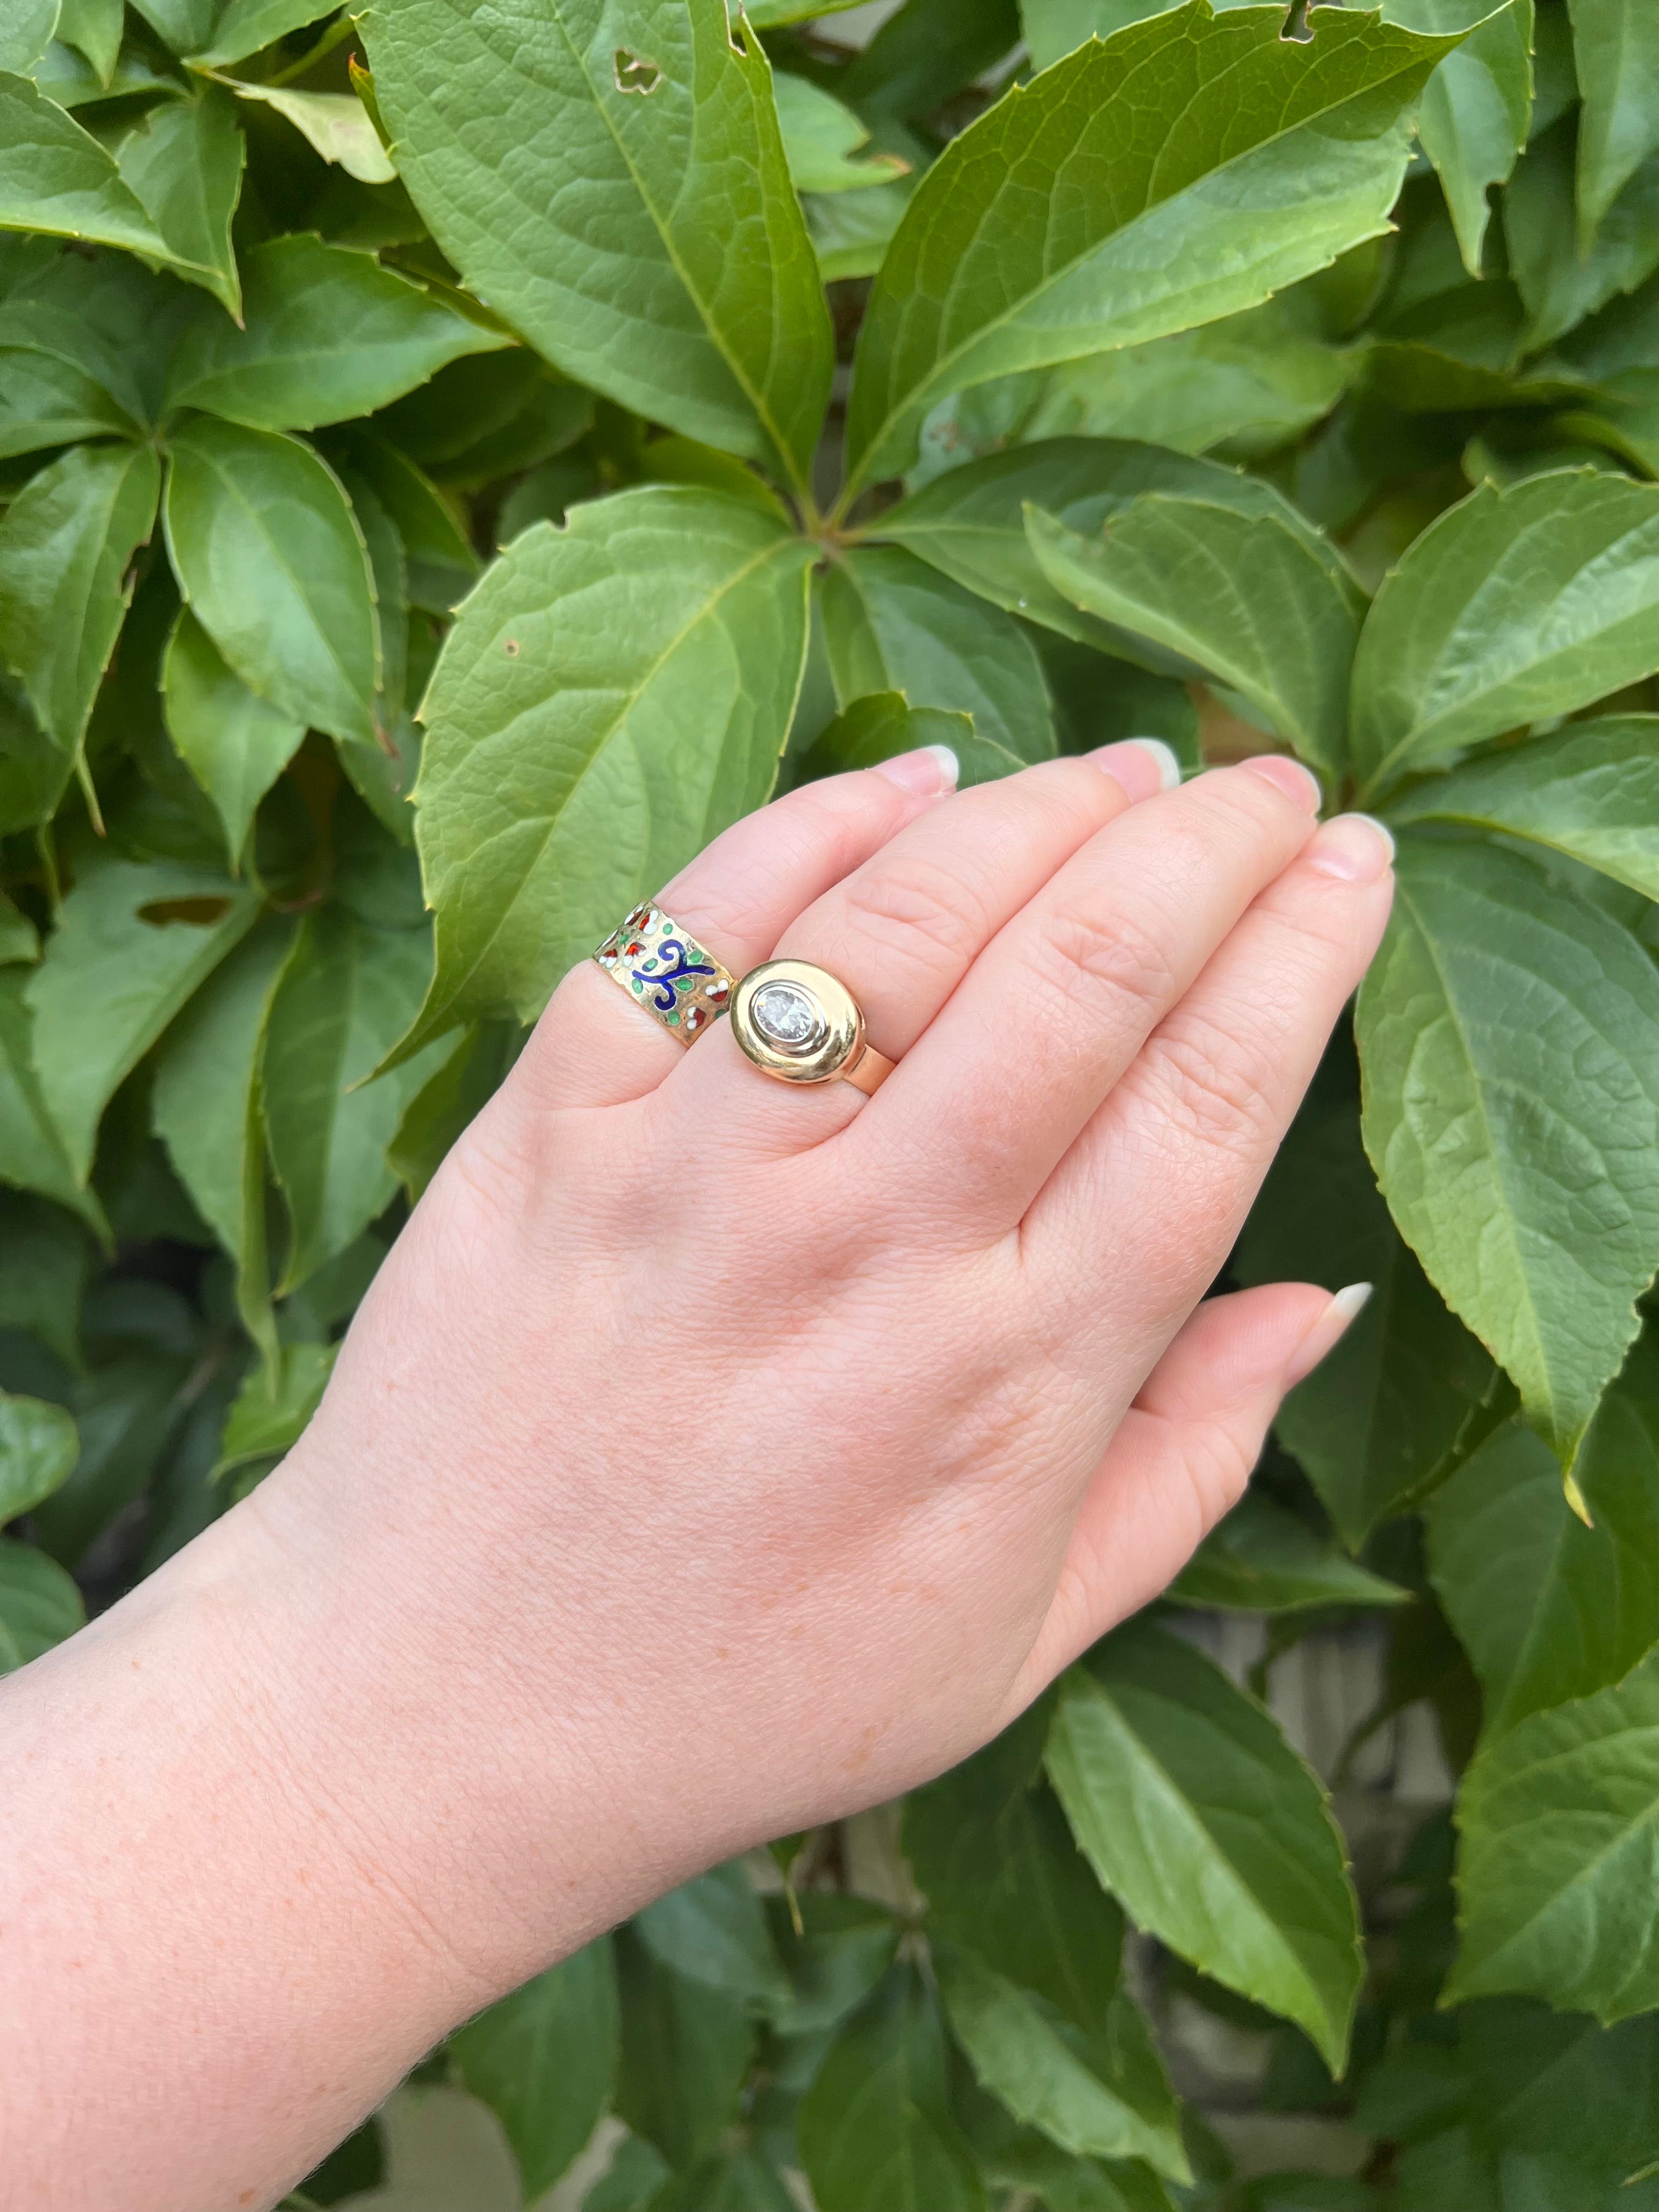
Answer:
x=922 y=907
x=1214 y=1084
x=1105 y=962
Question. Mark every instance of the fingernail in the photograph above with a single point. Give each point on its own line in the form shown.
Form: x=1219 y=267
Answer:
x=1328 y=1331
x=1141 y=765
x=1295 y=781
x=1354 y=848
x=927 y=771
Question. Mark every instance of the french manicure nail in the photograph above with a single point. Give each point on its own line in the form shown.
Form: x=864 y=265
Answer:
x=928 y=771
x=1141 y=765
x=1354 y=848
x=1328 y=1331
x=1295 y=781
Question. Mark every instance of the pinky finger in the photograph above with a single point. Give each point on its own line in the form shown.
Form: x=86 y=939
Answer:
x=1182 y=1456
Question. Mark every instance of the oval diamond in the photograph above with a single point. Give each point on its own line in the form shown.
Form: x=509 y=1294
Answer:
x=786 y=1015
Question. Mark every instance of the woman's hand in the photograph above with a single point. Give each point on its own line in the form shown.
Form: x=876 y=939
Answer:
x=714 y=1457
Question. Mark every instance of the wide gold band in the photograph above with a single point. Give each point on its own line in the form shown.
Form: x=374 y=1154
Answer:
x=801 y=1024
x=664 y=969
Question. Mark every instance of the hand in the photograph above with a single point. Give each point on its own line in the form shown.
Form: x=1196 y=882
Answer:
x=711 y=1456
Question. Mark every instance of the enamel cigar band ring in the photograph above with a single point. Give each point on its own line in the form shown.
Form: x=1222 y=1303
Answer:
x=796 y=1022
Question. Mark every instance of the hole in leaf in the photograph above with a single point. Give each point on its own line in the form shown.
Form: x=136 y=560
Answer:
x=634 y=73
x=199 y=912
x=510 y=648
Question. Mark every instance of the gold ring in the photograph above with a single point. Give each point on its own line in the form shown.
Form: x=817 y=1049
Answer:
x=664 y=969
x=797 y=1023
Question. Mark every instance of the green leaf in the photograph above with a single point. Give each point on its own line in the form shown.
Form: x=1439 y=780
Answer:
x=631 y=2181
x=1055 y=226
x=1509 y=1031
x=127 y=1410
x=273 y=564
x=1262 y=1559
x=245 y=25
x=770 y=15
x=1194 y=1811
x=883 y=724
x=207 y=1108
x=488 y=417
x=612 y=696
x=182 y=25
x=544 y=2059
x=1515 y=606
x=442 y=568
x=26 y=33
x=45 y=1262
x=645 y=236
x=232 y=743
x=875 y=2129
x=335 y=125
x=58 y=382
x=66 y=545
x=1243 y=597
x=1097 y=701
x=133 y=945
x=327 y=333
x=1013 y=2157
x=1477 y=106
x=1560 y=285
x=348 y=995
x=926 y=50
x=820 y=137
x=450 y=1097
x=19 y=937
x=273 y=1409
x=845 y=1946
x=39 y=1605
x=970 y=525
x=1251 y=383
x=1617 y=64
x=183 y=161
x=39 y=1447
x=1383 y=1416
x=93 y=27
x=1591 y=792
x=892 y=623
x=1026 y=1949
x=57 y=179
x=1559 y=1821
x=713 y=1930
x=1548 y=1607
x=34 y=1154
x=685 y=2051
x=852 y=231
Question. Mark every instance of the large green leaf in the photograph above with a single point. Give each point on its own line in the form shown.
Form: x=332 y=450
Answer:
x=1477 y=106
x=713 y=1930
x=184 y=162
x=1026 y=1947
x=234 y=743
x=820 y=137
x=875 y=2131
x=1591 y=792
x=349 y=995
x=612 y=696
x=242 y=27
x=1194 y=1811
x=39 y=1605
x=926 y=50
x=35 y=1153
x=35 y=769
x=1559 y=1820
x=1516 y=605
x=844 y=1947
x=1262 y=1559
x=1381 y=1416
x=1243 y=597
x=891 y=624
x=39 y=1447
x=57 y=179
x=207 y=1108
x=1616 y=59
x=66 y=546
x=1183 y=170
x=93 y=28
x=1509 y=1031
x=1548 y=1607
x=970 y=523
x=45 y=1262
x=685 y=2051
x=133 y=945
x=442 y=566
x=544 y=2060
x=274 y=1407
x=58 y=383
x=26 y=33
x=273 y=565
x=642 y=231
x=327 y=333
x=1561 y=284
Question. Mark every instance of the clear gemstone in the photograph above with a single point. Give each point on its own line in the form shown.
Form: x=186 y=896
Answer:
x=785 y=1014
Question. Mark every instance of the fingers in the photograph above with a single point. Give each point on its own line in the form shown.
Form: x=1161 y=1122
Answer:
x=592 y=1049
x=1182 y=1456
x=1058 y=1007
x=1156 y=1189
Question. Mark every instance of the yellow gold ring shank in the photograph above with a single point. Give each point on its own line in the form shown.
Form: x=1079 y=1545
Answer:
x=801 y=1024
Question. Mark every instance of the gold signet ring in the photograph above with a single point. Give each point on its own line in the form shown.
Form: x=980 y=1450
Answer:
x=797 y=1023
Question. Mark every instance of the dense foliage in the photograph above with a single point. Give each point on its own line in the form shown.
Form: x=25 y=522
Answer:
x=682 y=395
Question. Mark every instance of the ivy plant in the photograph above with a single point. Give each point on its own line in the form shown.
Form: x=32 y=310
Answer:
x=455 y=460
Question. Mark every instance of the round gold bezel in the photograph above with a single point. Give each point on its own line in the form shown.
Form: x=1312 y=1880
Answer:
x=839 y=1043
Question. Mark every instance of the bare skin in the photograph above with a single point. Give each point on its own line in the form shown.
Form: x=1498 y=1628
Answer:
x=710 y=1458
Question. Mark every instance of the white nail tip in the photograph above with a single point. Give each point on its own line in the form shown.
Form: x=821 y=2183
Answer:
x=949 y=766
x=1169 y=768
x=1348 y=1304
